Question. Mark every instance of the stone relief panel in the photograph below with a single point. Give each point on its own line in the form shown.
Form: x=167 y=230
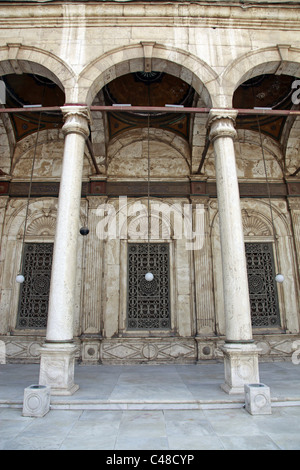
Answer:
x=48 y=159
x=168 y=155
x=258 y=228
x=40 y=228
x=292 y=155
x=249 y=158
x=26 y=349
x=147 y=350
x=115 y=266
x=6 y=144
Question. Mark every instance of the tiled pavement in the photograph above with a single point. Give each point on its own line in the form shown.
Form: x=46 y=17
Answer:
x=151 y=408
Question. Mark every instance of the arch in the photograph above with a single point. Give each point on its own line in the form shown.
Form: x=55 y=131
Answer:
x=43 y=207
x=19 y=58
x=128 y=59
x=255 y=224
x=291 y=145
x=128 y=219
x=258 y=227
x=172 y=148
x=252 y=160
x=261 y=212
x=50 y=142
x=249 y=152
x=280 y=59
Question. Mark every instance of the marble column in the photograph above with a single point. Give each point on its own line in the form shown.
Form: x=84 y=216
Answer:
x=240 y=352
x=58 y=352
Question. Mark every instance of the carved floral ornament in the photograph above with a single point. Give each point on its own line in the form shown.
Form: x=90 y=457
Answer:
x=43 y=226
x=253 y=225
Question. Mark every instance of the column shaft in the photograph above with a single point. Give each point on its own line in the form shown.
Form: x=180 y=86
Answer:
x=240 y=354
x=58 y=354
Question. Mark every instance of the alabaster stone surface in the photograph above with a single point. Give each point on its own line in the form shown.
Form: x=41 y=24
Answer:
x=240 y=366
x=57 y=368
x=36 y=402
x=214 y=48
x=258 y=399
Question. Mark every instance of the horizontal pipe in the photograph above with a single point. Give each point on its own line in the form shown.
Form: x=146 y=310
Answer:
x=157 y=109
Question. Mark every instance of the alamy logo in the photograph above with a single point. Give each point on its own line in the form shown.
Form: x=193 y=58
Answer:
x=2 y=92
x=2 y=353
x=296 y=93
x=296 y=353
x=156 y=221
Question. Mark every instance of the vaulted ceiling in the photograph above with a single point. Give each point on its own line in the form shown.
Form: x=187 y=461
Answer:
x=27 y=89
x=147 y=89
x=265 y=91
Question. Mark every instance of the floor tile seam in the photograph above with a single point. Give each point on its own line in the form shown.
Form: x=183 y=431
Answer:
x=118 y=431
x=207 y=426
x=223 y=437
x=260 y=434
x=272 y=437
x=200 y=438
x=28 y=426
x=70 y=429
x=220 y=433
x=163 y=412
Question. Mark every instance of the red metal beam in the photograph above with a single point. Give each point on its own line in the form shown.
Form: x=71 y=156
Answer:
x=156 y=109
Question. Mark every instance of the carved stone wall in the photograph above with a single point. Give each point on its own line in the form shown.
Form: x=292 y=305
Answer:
x=214 y=49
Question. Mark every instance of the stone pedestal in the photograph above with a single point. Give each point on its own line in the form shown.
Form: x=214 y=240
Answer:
x=240 y=366
x=36 y=402
x=57 y=368
x=90 y=349
x=257 y=399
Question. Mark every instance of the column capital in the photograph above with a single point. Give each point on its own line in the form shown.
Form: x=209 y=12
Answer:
x=76 y=120
x=221 y=123
x=204 y=200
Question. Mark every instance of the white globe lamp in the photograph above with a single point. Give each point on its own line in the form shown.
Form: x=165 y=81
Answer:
x=279 y=278
x=20 y=278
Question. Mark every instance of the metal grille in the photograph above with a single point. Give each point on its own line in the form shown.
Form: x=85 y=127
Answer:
x=262 y=285
x=148 y=303
x=34 y=294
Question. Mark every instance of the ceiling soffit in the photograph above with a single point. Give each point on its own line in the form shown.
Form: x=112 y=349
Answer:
x=29 y=89
x=264 y=91
x=149 y=89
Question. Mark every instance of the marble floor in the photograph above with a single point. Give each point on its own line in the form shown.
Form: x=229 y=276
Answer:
x=172 y=407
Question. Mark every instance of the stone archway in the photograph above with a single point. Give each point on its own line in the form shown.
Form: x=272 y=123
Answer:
x=280 y=59
x=18 y=58
x=132 y=59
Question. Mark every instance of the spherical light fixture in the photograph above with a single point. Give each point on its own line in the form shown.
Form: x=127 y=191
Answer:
x=279 y=278
x=84 y=231
x=149 y=277
x=20 y=278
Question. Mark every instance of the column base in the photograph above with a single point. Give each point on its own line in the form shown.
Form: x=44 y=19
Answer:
x=240 y=366
x=57 y=368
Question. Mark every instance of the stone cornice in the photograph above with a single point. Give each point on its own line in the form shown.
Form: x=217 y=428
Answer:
x=202 y=14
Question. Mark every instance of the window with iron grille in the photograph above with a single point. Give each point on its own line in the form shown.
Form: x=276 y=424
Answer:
x=262 y=285
x=34 y=293
x=148 y=303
